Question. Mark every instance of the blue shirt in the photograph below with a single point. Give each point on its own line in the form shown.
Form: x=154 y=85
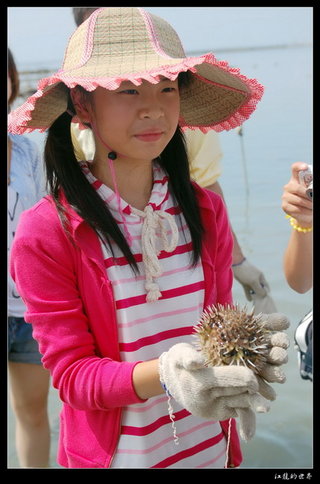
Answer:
x=25 y=189
x=26 y=171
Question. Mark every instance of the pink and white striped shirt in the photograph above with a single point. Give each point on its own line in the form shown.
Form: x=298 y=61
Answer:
x=146 y=329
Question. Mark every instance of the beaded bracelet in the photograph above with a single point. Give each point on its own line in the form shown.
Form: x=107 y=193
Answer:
x=297 y=227
x=165 y=389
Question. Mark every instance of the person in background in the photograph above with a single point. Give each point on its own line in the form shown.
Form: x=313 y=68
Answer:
x=298 y=259
x=204 y=154
x=29 y=381
x=298 y=254
x=118 y=262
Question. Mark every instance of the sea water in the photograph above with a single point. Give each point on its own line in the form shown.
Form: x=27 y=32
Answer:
x=256 y=165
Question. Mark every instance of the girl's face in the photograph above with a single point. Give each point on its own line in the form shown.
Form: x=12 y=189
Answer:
x=136 y=121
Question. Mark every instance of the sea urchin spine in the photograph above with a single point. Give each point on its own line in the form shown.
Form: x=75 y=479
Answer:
x=229 y=335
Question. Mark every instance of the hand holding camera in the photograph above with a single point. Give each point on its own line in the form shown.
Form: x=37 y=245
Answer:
x=306 y=179
x=298 y=195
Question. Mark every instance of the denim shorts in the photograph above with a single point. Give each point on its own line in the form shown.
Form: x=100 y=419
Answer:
x=22 y=348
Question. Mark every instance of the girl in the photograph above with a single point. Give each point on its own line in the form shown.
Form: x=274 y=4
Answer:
x=29 y=381
x=118 y=263
x=204 y=153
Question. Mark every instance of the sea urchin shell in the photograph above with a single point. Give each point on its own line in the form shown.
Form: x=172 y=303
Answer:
x=228 y=335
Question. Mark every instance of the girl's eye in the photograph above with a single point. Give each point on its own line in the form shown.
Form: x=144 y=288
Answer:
x=169 y=89
x=129 y=91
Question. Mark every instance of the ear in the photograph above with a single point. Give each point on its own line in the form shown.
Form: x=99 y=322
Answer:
x=81 y=105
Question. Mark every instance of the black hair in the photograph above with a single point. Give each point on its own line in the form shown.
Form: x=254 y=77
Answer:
x=80 y=14
x=14 y=76
x=63 y=171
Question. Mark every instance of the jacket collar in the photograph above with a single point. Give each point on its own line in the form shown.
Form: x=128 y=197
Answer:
x=75 y=219
x=203 y=198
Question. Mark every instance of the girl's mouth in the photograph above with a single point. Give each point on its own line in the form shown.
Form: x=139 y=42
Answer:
x=152 y=136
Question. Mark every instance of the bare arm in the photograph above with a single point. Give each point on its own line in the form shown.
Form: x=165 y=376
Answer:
x=146 y=380
x=298 y=254
x=297 y=261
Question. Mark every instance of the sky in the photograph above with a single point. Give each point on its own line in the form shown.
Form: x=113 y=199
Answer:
x=38 y=36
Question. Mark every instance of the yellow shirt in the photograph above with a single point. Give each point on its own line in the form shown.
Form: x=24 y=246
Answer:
x=204 y=152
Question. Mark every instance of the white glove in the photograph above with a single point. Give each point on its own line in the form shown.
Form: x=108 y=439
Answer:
x=251 y=278
x=263 y=304
x=278 y=343
x=217 y=393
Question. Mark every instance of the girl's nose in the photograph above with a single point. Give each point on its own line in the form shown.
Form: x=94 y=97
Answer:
x=151 y=108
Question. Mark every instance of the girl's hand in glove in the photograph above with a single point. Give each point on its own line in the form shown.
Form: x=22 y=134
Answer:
x=217 y=393
x=277 y=356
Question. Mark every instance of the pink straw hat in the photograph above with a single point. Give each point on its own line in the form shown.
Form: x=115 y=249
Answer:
x=127 y=43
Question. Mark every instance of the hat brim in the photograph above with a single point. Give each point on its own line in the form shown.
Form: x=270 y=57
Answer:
x=219 y=97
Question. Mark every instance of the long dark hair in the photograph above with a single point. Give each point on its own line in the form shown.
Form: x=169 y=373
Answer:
x=14 y=76
x=63 y=171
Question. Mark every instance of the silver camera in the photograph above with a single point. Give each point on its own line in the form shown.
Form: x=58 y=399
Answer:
x=306 y=179
x=304 y=345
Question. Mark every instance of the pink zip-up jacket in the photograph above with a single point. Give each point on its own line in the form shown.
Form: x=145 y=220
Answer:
x=70 y=304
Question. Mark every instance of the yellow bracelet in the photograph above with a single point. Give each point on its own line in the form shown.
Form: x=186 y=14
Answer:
x=297 y=227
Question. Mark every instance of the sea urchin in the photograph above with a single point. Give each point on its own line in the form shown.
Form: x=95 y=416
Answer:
x=228 y=335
